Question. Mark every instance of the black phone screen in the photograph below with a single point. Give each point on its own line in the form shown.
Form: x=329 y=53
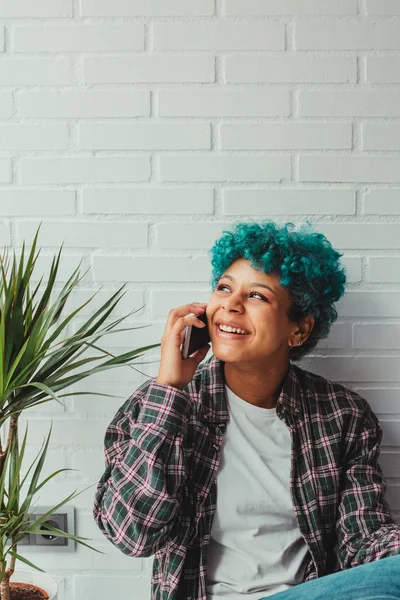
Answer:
x=198 y=337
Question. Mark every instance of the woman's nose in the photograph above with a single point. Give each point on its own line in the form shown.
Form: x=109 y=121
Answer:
x=232 y=303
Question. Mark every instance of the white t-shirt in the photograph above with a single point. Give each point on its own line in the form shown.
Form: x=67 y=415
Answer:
x=256 y=548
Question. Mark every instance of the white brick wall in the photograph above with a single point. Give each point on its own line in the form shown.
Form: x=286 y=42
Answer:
x=23 y=9
x=80 y=38
x=290 y=67
x=150 y=68
x=137 y=130
x=81 y=104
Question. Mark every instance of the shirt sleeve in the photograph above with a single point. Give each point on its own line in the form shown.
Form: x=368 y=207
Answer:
x=365 y=528
x=138 y=497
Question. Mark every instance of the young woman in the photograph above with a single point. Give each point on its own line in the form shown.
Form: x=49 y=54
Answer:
x=246 y=476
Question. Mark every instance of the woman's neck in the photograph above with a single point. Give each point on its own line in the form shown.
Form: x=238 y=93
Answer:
x=261 y=388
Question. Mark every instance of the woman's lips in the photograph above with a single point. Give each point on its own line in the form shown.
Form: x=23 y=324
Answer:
x=226 y=335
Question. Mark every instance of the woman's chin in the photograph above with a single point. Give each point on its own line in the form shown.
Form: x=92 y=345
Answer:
x=225 y=354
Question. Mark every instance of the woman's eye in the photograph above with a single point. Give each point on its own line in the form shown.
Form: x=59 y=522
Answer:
x=222 y=288
x=256 y=294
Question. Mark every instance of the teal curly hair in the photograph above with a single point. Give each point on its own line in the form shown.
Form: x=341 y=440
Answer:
x=305 y=261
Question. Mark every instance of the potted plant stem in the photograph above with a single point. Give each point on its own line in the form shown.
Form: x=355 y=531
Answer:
x=38 y=361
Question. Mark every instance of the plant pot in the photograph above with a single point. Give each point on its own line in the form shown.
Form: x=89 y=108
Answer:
x=38 y=579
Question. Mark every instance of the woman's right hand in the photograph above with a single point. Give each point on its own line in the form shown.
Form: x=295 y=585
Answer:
x=174 y=370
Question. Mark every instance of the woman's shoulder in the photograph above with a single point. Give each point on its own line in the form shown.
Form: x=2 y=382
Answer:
x=329 y=393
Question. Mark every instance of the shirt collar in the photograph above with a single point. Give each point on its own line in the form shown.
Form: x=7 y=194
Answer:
x=213 y=398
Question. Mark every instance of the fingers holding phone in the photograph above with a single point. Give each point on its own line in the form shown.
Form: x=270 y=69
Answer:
x=174 y=370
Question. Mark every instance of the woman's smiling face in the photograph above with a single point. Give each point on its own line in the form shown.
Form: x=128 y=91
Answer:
x=256 y=305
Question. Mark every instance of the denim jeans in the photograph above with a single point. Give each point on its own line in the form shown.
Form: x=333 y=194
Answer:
x=378 y=580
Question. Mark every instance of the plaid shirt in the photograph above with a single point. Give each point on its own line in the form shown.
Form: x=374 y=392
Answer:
x=158 y=492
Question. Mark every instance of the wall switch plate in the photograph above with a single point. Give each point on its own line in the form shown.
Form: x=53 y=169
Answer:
x=63 y=518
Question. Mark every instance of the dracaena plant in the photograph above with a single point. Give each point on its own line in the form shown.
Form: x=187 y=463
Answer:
x=37 y=361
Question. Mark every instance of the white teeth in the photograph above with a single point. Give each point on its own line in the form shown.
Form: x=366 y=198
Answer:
x=229 y=329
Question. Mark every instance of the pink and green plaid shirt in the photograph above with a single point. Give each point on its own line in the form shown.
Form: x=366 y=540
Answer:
x=158 y=492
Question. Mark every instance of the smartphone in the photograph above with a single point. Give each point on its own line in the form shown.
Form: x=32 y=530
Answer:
x=195 y=337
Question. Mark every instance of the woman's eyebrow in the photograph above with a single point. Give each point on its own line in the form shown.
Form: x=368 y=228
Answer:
x=253 y=283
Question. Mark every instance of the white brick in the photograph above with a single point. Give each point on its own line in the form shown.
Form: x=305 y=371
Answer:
x=352 y=265
x=36 y=71
x=373 y=103
x=383 y=69
x=390 y=462
x=87 y=527
x=382 y=400
x=290 y=69
x=285 y=136
x=57 y=491
x=383 y=7
x=110 y=234
x=5 y=170
x=164 y=300
x=145 y=333
x=89 y=462
x=375 y=236
x=86 y=103
x=78 y=38
x=391 y=431
x=290 y=7
x=348 y=169
x=382 y=202
x=114 y=585
x=224 y=168
x=393 y=497
x=130 y=300
x=219 y=35
x=369 y=304
x=385 y=369
x=374 y=336
x=27 y=203
x=320 y=35
x=110 y=559
x=144 y=136
x=66 y=432
x=96 y=405
x=107 y=560
x=40 y=8
x=55 y=460
x=147 y=8
x=139 y=201
x=154 y=268
x=43 y=136
x=156 y=68
x=5 y=234
x=6 y=105
x=336 y=339
x=290 y=202
x=48 y=408
x=223 y=103
x=384 y=270
x=68 y=264
x=188 y=235
x=84 y=169
x=380 y=136
x=112 y=377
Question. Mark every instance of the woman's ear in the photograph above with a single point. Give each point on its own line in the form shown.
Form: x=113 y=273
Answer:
x=304 y=329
